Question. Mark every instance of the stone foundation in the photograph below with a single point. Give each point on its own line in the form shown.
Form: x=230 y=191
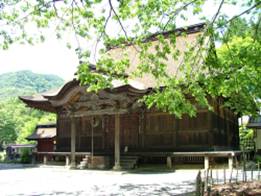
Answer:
x=98 y=162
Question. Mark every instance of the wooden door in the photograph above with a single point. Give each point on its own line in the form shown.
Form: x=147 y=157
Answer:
x=129 y=131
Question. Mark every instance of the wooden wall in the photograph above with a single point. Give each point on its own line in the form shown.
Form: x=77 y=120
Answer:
x=153 y=131
x=45 y=145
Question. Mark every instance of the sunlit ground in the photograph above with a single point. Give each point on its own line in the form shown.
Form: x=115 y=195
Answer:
x=57 y=180
x=61 y=181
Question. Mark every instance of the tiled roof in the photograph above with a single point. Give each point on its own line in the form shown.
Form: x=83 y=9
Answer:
x=43 y=132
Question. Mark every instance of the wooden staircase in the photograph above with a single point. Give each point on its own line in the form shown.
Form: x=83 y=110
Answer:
x=129 y=162
x=126 y=162
x=84 y=163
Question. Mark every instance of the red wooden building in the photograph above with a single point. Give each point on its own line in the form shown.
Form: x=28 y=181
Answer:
x=45 y=135
x=113 y=123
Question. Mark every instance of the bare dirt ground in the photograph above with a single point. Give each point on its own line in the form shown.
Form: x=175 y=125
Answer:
x=237 y=189
x=21 y=181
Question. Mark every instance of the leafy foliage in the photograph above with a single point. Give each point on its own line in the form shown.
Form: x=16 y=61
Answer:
x=246 y=136
x=202 y=73
x=240 y=81
x=26 y=156
x=16 y=120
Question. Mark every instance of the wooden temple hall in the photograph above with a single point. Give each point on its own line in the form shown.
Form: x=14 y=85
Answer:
x=112 y=128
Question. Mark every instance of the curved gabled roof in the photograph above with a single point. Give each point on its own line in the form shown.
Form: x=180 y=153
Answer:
x=48 y=101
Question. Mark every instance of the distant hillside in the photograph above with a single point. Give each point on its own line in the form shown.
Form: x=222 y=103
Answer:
x=26 y=83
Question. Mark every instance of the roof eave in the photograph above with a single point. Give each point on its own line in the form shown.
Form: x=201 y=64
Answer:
x=43 y=105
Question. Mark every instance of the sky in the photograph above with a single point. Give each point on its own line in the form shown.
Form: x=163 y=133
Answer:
x=53 y=57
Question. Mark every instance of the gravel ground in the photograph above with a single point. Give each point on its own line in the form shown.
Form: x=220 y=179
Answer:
x=60 y=181
x=19 y=180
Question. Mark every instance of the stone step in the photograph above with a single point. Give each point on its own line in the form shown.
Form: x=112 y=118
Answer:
x=128 y=162
x=83 y=164
x=85 y=159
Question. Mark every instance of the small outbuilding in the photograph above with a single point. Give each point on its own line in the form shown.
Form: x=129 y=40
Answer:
x=255 y=124
x=15 y=151
x=45 y=135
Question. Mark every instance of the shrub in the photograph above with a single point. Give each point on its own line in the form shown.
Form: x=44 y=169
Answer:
x=26 y=156
x=258 y=158
x=2 y=156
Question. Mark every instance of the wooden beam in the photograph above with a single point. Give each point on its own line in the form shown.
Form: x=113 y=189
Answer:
x=73 y=143
x=117 y=165
x=109 y=111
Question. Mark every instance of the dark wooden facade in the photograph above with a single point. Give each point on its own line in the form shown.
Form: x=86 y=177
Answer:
x=141 y=130
x=45 y=145
x=148 y=131
x=113 y=121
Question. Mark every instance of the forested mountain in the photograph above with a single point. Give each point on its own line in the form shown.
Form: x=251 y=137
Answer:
x=16 y=120
x=26 y=82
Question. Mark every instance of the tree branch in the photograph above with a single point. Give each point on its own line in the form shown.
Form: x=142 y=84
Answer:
x=244 y=12
x=177 y=11
x=99 y=38
x=118 y=19
x=73 y=25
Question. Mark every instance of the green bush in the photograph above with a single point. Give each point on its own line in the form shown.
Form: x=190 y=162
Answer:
x=258 y=158
x=2 y=156
x=25 y=156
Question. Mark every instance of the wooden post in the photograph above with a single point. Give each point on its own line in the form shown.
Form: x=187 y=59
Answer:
x=117 y=165
x=206 y=162
x=258 y=175
x=231 y=175
x=225 y=181
x=67 y=161
x=206 y=180
x=217 y=175
x=73 y=142
x=252 y=174
x=45 y=159
x=169 y=162
x=198 y=184
x=230 y=162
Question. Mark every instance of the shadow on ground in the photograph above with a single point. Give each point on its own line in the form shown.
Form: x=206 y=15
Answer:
x=6 y=166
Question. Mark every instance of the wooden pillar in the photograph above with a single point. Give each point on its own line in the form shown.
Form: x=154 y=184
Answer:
x=169 y=162
x=117 y=165
x=67 y=161
x=45 y=159
x=73 y=142
x=206 y=162
x=230 y=162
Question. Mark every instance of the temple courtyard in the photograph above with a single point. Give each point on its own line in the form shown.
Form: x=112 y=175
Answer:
x=16 y=180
